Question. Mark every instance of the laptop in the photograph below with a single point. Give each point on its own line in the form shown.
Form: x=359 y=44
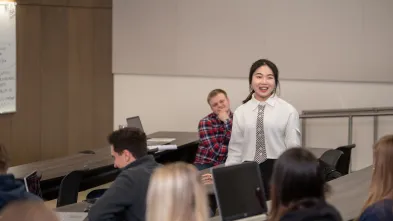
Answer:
x=136 y=122
x=32 y=183
x=239 y=191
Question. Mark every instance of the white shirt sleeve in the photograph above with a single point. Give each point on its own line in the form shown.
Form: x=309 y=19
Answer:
x=292 y=131
x=236 y=143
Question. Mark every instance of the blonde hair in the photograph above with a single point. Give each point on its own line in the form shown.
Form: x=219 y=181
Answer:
x=176 y=193
x=27 y=211
x=381 y=186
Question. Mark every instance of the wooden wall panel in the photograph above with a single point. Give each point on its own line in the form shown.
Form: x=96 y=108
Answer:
x=69 y=3
x=5 y=132
x=26 y=122
x=81 y=79
x=103 y=84
x=64 y=80
x=54 y=82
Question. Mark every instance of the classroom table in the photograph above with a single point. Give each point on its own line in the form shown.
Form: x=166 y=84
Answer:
x=61 y=166
x=98 y=167
x=348 y=195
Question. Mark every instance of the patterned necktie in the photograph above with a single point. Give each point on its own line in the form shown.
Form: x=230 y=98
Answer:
x=260 y=151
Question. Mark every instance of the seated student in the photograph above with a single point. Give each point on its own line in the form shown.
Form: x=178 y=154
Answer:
x=214 y=131
x=126 y=197
x=298 y=189
x=28 y=211
x=379 y=205
x=10 y=188
x=176 y=193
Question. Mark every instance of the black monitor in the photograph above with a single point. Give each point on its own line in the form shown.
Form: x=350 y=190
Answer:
x=239 y=191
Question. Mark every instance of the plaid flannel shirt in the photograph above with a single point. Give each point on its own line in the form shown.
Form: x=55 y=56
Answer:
x=214 y=136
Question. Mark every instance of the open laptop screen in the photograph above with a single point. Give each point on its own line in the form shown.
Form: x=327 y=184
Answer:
x=32 y=183
x=239 y=191
x=135 y=122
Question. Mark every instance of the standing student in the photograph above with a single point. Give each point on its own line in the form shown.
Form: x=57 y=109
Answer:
x=214 y=131
x=298 y=189
x=176 y=193
x=379 y=205
x=265 y=125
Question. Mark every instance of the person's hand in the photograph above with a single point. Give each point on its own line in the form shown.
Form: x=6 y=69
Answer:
x=223 y=115
x=207 y=178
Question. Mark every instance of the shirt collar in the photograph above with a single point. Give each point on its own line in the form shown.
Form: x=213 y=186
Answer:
x=271 y=101
x=140 y=161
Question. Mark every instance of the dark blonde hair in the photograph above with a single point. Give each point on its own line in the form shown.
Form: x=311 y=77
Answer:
x=179 y=187
x=28 y=210
x=381 y=186
x=4 y=159
x=214 y=93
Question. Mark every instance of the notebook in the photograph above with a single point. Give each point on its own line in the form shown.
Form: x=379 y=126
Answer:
x=72 y=216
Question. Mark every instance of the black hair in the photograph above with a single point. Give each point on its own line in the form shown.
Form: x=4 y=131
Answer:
x=297 y=177
x=254 y=67
x=131 y=139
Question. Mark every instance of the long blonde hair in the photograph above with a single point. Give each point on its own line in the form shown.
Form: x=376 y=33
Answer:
x=381 y=186
x=27 y=210
x=176 y=193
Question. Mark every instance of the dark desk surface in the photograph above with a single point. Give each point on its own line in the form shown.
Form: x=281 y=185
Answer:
x=348 y=195
x=316 y=151
x=59 y=167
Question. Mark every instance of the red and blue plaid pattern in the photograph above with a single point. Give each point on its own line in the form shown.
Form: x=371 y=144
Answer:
x=214 y=136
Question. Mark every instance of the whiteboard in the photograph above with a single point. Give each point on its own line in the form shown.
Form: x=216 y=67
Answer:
x=7 y=57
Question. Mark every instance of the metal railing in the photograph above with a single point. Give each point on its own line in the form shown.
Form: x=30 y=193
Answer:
x=374 y=112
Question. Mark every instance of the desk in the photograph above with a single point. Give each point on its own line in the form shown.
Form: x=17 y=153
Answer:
x=60 y=167
x=348 y=196
x=94 y=164
x=316 y=151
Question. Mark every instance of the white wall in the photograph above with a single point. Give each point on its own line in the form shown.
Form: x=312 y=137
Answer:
x=306 y=38
x=342 y=40
x=177 y=104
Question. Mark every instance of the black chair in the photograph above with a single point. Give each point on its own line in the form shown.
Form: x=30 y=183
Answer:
x=331 y=157
x=95 y=194
x=69 y=188
x=345 y=160
x=329 y=172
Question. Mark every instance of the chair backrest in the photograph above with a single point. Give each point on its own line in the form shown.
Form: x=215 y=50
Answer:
x=331 y=157
x=345 y=160
x=69 y=188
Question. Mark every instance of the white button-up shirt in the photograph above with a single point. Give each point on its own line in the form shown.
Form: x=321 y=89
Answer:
x=281 y=129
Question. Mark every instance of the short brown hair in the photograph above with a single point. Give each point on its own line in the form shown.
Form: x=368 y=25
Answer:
x=214 y=93
x=131 y=139
x=4 y=159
